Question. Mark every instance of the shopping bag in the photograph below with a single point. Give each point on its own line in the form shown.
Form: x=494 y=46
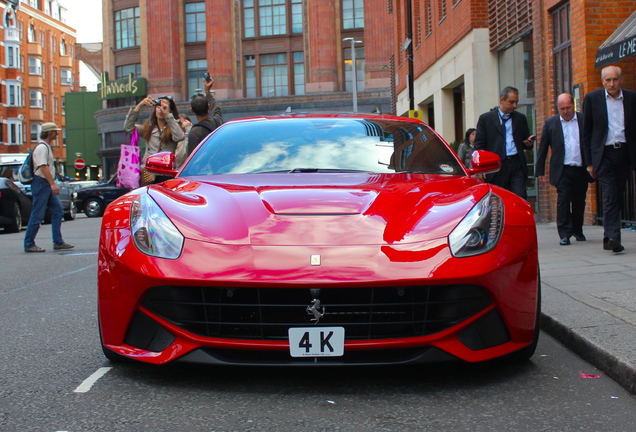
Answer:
x=129 y=163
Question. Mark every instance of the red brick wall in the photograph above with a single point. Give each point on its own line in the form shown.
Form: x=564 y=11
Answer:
x=460 y=19
x=591 y=23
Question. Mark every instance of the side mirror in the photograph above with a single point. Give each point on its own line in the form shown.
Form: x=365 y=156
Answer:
x=484 y=162
x=161 y=164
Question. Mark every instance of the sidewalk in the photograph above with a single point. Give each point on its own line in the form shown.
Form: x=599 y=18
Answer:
x=589 y=299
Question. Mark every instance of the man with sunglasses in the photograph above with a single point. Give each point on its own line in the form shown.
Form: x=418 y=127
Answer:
x=208 y=114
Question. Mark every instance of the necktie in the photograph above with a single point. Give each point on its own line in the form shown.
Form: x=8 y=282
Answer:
x=504 y=118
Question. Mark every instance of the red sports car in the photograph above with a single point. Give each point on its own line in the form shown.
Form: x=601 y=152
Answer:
x=319 y=240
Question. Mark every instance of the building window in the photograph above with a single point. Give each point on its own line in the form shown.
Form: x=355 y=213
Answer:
x=127 y=28
x=299 y=73
x=274 y=77
x=248 y=18
x=442 y=10
x=41 y=39
x=272 y=17
x=35 y=131
x=54 y=69
x=56 y=106
x=297 y=16
x=35 y=99
x=62 y=47
x=54 y=44
x=124 y=70
x=429 y=18
x=66 y=76
x=196 y=70
x=14 y=127
x=13 y=56
x=360 y=64
x=14 y=92
x=562 y=50
x=195 y=22
x=35 y=66
x=31 y=34
x=352 y=14
x=250 y=76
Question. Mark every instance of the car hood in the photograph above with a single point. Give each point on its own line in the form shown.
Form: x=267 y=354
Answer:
x=317 y=209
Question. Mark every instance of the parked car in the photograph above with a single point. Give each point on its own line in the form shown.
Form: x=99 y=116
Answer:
x=79 y=184
x=15 y=206
x=319 y=240
x=92 y=200
x=65 y=195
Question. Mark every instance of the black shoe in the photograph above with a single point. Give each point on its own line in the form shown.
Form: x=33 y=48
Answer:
x=580 y=237
x=605 y=246
x=564 y=241
x=614 y=245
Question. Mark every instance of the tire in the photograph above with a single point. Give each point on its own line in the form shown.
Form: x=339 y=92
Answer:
x=524 y=354
x=93 y=207
x=72 y=211
x=16 y=219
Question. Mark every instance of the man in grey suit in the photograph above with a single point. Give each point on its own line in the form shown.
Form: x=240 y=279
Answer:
x=609 y=147
x=505 y=132
x=568 y=173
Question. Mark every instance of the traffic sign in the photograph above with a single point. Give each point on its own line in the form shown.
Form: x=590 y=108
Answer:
x=79 y=163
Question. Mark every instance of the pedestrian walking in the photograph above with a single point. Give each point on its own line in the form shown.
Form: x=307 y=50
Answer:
x=466 y=148
x=505 y=132
x=208 y=114
x=45 y=193
x=562 y=134
x=609 y=147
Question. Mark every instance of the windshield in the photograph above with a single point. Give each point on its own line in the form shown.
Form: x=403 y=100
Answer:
x=373 y=145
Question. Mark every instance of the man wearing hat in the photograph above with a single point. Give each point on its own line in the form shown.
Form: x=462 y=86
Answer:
x=45 y=193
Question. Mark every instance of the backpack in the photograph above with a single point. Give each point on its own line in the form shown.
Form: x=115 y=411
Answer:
x=26 y=172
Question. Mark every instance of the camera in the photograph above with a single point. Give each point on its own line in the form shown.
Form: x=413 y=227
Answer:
x=206 y=77
x=156 y=102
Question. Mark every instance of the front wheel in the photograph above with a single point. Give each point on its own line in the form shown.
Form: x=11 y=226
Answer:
x=16 y=219
x=72 y=211
x=94 y=207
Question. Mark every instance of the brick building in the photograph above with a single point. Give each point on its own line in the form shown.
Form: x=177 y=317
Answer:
x=265 y=56
x=39 y=66
x=465 y=51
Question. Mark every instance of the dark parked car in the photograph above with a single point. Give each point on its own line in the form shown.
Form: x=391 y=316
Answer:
x=15 y=206
x=93 y=200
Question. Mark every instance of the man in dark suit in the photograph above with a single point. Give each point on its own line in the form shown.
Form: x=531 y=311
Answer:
x=609 y=147
x=568 y=174
x=505 y=132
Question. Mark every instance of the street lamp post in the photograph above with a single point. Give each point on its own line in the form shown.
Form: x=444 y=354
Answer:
x=354 y=74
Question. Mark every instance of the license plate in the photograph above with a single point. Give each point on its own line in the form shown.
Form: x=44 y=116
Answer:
x=316 y=341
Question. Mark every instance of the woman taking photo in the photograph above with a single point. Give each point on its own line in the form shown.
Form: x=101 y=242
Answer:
x=162 y=131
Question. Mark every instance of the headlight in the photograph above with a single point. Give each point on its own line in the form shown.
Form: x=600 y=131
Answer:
x=480 y=230
x=152 y=231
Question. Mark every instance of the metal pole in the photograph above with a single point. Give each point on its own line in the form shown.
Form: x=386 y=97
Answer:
x=409 y=36
x=354 y=72
x=354 y=75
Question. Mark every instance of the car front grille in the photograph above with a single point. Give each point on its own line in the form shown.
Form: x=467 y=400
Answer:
x=268 y=313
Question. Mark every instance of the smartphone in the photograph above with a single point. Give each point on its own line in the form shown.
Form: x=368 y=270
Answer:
x=206 y=77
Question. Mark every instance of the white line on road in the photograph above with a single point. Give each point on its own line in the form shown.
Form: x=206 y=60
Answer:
x=88 y=382
x=48 y=280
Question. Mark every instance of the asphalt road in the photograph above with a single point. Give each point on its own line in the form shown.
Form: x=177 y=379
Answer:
x=53 y=376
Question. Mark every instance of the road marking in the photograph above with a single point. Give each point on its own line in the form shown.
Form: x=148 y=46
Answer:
x=88 y=382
